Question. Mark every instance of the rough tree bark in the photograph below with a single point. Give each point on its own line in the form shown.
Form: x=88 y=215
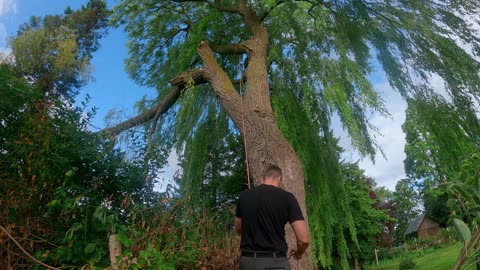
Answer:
x=266 y=144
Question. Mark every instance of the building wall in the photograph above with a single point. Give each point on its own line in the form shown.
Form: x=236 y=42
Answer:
x=432 y=231
x=428 y=228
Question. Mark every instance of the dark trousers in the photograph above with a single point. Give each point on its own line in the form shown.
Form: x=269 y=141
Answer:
x=251 y=263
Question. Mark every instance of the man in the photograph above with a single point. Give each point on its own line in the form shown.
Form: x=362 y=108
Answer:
x=261 y=215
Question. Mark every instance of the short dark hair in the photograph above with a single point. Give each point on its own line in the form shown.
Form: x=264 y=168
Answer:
x=273 y=171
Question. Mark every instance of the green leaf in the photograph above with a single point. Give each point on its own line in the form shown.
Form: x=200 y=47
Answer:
x=90 y=247
x=53 y=203
x=123 y=239
x=100 y=214
x=463 y=229
x=69 y=173
x=75 y=227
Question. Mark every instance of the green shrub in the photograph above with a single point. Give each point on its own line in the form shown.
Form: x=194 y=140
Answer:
x=407 y=263
x=391 y=253
x=173 y=235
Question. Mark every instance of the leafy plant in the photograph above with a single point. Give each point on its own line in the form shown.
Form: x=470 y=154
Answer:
x=465 y=202
x=63 y=188
x=407 y=263
x=171 y=235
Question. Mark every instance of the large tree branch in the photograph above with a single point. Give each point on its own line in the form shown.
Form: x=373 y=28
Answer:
x=192 y=77
x=144 y=117
x=228 y=96
x=185 y=79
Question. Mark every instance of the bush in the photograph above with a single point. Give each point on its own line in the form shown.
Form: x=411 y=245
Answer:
x=63 y=188
x=407 y=263
x=391 y=253
x=173 y=235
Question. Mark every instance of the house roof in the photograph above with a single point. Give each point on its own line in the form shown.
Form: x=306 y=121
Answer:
x=414 y=224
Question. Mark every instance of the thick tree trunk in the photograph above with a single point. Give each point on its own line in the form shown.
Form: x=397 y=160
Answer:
x=265 y=143
x=266 y=146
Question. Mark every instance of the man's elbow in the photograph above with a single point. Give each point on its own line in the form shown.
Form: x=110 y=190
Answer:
x=301 y=232
x=304 y=241
x=304 y=238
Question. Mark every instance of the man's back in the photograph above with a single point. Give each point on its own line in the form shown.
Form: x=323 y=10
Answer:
x=264 y=211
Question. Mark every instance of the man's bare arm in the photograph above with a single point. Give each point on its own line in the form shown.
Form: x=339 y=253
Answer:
x=238 y=225
x=302 y=234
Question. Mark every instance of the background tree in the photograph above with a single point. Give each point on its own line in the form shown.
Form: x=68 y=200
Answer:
x=439 y=136
x=385 y=202
x=408 y=206
x=369 y=220
x=55 y=51
x=307 y=58
x=63 y=190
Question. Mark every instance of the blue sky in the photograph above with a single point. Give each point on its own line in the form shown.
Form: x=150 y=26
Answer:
x=113 y=89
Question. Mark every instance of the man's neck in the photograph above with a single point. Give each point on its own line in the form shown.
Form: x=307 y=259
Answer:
x=271 y=183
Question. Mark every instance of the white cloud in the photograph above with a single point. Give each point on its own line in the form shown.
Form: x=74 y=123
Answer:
x=474 y=23
x=386 y=172
x=8 y=6
x=167 y=176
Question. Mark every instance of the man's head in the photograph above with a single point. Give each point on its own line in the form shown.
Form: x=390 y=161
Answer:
x=272 y=176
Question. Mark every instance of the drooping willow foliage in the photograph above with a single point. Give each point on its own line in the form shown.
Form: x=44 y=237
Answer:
x=213 y=162
x=320 y=59
x=330 y=218
x=439 y=137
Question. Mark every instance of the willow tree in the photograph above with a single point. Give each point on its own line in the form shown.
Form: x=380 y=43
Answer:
x=280 y=69
x=438 y=138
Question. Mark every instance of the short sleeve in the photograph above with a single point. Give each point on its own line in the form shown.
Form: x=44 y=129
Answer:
x=294 y=211
x=238 y=211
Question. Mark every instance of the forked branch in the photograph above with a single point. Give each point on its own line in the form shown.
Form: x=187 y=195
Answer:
x=179 y=83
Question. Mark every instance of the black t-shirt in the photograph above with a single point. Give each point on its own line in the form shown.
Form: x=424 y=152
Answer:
x=264 y=211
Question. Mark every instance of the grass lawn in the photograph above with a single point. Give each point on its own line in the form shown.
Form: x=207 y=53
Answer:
x=440 y=259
